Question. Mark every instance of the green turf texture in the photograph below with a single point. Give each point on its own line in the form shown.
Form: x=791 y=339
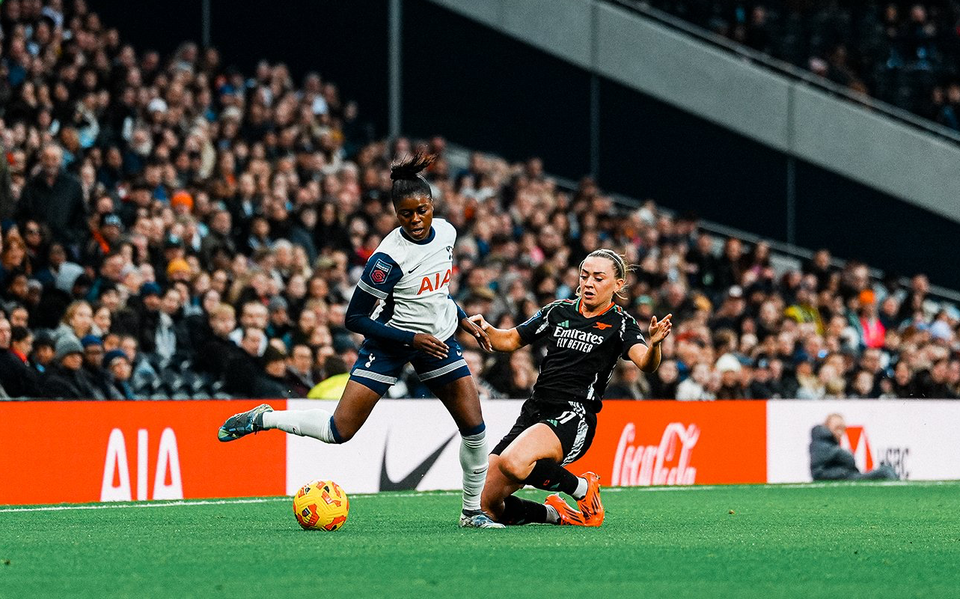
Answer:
x=838 y=541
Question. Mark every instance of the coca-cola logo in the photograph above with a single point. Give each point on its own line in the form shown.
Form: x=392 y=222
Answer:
x=665 y=464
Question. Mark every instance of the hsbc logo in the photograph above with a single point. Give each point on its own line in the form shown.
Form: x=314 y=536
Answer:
x=867 y=458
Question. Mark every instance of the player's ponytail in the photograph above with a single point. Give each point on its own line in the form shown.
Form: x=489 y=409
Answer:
x=406 y=177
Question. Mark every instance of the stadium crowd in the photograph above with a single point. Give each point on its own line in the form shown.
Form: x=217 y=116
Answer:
x=173 y=228
x=904 y=52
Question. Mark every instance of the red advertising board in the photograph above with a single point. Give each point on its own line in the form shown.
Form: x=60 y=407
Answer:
x=88 y=451
x=640 y=443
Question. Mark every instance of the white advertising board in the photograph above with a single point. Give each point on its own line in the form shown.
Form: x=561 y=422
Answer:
x=918 y=438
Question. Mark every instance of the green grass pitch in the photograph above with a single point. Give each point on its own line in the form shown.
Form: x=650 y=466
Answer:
x=838 y=541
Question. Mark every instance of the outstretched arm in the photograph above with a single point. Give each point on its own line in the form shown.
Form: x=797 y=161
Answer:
x=506 y=340
x=469 y=327
x=647 y=358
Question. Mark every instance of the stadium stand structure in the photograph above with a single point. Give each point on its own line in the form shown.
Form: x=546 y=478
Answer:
x=904 y=53
x=207 y=222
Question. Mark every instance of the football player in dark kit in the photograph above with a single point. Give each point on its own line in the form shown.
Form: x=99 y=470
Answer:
x=586 y=337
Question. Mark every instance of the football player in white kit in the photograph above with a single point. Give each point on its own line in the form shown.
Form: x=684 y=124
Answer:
x=402 y=306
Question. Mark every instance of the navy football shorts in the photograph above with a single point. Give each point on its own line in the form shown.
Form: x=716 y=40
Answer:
x=379 y=366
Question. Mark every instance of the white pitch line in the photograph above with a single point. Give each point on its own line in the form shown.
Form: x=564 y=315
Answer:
x=239 y=501
x=196 y=502
x=116 y=506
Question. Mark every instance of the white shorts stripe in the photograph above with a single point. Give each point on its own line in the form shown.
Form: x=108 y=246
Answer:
x=580 y=439
x=371 y=290
x=376 y=376
x=442 y=371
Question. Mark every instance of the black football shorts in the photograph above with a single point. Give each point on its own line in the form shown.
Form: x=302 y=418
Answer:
x=571 y=422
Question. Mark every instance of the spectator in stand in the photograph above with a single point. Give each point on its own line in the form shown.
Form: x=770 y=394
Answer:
x=874 y=333
x=862 y=386
x=767 y=380
x=299 y=378
x=64 y=378
x=16 y=377
x=168 y=339
x=44 y=350
x=13 y=260
x=819 y=266
x=146 y=313
x=933 y=383
x=92 y=371
x=696 y=387
x=77 y=321
x=117 y=365
x=730 y=386
x=254 y=315
x=663 y=385
x=217 y=350
x=270 y=381
x=244 y=367
x=55 y=198
x=627 y=382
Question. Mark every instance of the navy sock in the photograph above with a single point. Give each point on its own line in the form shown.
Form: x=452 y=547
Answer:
x=518 y=511
x=548 y=475
x=333 y=429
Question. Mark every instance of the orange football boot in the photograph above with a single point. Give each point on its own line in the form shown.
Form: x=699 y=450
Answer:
x=590 y=506
x=568 y=515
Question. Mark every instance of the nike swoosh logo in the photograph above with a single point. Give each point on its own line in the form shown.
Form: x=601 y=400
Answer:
x=410 y=272
x=410 y=481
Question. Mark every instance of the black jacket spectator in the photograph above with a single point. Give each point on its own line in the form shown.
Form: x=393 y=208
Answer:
x=242 y=375
x=60 y=205
x=63 y=383
x=268 y=387
x=216 y=355
x=17 y=378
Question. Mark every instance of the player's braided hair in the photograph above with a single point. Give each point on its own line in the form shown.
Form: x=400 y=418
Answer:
x=406 y=177
x=620 y=266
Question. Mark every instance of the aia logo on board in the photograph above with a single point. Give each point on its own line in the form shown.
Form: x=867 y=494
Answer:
x=167 y=482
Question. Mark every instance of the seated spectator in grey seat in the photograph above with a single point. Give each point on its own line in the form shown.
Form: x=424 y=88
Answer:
x=829 y=461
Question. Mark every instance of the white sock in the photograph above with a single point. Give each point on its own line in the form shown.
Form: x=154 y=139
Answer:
x=553 y=516
x=306 y=423
x=581 y=491
x=473 y=461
